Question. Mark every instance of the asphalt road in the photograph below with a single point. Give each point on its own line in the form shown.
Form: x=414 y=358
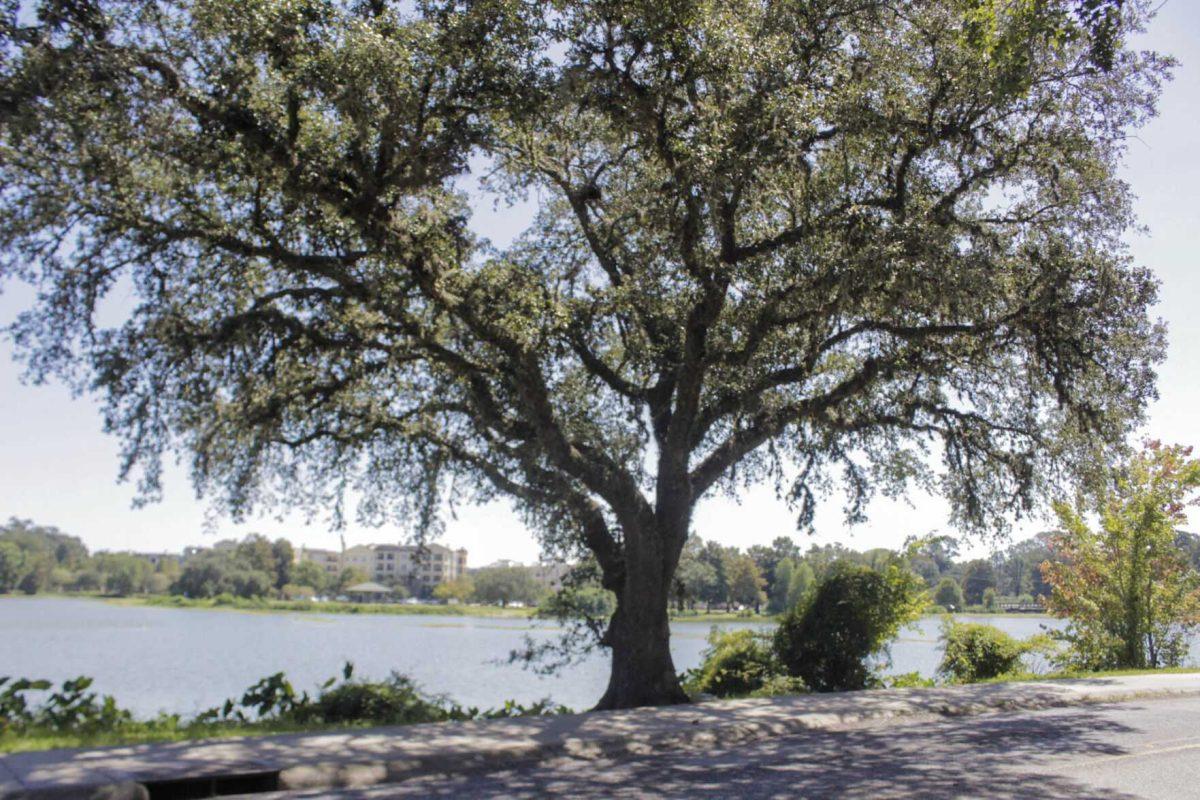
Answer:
x=1147 y=749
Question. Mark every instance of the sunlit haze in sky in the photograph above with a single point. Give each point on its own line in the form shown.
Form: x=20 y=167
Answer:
x=58 y=468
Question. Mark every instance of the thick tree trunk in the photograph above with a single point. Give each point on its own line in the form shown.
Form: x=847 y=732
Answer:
x=643 y=673
x=639 y=635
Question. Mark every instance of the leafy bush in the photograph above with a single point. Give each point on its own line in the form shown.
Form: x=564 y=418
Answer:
x=396 y=700
x=736 y=663
x=776 y=685
x=33 y=707
x=847 y=618
x=976 y=652
x=71 y=708
x=908 y=680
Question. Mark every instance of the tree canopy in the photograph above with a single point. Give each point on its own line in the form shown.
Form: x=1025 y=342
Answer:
x=798 y=240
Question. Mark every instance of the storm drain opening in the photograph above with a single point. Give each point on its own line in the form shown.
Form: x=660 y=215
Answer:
x=213 y=786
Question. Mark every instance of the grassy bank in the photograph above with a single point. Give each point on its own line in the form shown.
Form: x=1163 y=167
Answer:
x=171 y=729
x=149 y=732
x=271 y=606
x=1080 y=675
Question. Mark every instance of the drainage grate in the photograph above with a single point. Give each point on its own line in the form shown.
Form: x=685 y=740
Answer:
x=213 y=786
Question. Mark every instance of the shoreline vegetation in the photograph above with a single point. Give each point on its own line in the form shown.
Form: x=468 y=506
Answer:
x=417 y=709
x=276 y=606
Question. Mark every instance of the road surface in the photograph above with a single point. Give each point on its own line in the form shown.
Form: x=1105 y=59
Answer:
x=1146 y=749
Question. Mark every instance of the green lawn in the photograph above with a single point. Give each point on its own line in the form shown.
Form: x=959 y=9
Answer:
x=265 y=605
x=154 y=731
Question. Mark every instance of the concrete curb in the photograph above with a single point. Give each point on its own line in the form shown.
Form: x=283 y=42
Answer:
x=329 y=761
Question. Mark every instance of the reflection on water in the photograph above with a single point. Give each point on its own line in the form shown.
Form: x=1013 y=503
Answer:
x=185 y=660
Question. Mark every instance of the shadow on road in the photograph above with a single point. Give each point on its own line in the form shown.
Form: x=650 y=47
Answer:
x=1002 y=757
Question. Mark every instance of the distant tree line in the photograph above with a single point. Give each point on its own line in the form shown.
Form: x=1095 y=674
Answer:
x=711 y=576
x=776 y=576
x=37 y=559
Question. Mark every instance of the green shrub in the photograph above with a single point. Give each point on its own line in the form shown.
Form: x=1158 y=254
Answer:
x=948 y=594
x=36 y=708
x=736 y=663
x=908 y=680
x=976 y=652
x=71 y=707
x=394 y=701
x=776 y=685
x=397 y=700
x=847 y=618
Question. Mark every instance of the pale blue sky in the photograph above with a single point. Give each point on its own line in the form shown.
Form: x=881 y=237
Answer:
x=58 y=468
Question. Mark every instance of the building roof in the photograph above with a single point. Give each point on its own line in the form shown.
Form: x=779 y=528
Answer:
x=369 y=587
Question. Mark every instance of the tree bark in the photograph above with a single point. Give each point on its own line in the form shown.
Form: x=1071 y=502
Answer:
x=639 y=634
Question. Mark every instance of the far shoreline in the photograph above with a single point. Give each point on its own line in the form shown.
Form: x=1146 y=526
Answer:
x=274 y=606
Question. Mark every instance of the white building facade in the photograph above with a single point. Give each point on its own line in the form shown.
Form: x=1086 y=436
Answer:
x=417 y=568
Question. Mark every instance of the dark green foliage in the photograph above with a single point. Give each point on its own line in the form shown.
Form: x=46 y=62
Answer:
x=948 y=594
x=11 y=562
x=695 y=577
x=978 y=577
x=392 y=701
x=976 y=652
x=592 y=602
x=310 y=574
x=283 y=556
x=30 y=554
x=991 y=601
x=213 y=573
x=850 y=616
x=396 y=700
x=736 y=663
x=506 y=585
x=1019 y=568
x=122 y=574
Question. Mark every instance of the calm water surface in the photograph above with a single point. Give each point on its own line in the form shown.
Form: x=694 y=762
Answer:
x=186 y=660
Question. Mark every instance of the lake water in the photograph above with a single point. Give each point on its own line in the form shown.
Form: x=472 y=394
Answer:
x=186 y=660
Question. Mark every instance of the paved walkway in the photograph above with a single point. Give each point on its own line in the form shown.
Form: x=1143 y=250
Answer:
x=1136 y=750
x=370 y=757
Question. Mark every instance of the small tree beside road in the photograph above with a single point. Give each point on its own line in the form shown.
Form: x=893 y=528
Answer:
x=1129 y=591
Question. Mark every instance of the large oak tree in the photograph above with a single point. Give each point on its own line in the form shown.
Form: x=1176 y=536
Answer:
x=791 y=240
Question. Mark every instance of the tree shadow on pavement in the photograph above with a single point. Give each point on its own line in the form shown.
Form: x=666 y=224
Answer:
x=1002 y=756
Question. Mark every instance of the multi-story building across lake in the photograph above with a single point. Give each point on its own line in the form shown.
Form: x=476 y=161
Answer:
x=418 y=568
x=328 y=560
